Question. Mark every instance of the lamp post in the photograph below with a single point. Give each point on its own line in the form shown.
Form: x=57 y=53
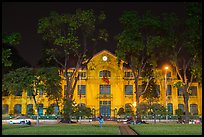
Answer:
x=166 y=68
x=115 y=113
x=80 y=94
x=134 y=104
x=93 y=113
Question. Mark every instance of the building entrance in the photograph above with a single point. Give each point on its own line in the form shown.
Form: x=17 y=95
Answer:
x=105 y=109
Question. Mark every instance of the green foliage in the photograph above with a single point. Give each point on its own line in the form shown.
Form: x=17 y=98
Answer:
x=179 y=112
x=82 y=111
x=68 y=35
x=158 y=109
x=50 y=110
x=9 y=39
x=46 y=79
x=6 y=53
x=139 y=39
x=128 y=110
x=143 y=108
x=60 y=31
x=121 y=111
x=30 y=111
x=178 y=84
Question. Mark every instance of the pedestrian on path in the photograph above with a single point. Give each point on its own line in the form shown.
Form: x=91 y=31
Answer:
x=100 y=119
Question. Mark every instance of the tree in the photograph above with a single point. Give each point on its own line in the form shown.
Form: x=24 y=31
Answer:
x=53 y=84
x=184 y=49
x=143 y=108
x=67 y=35
x=152 y=93
x=179 y=113
x=9 y=39
x=137 y=45
x=121 y=111
x=29 y=79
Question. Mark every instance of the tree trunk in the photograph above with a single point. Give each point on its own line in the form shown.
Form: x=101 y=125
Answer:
x=37 y=109
x=138 y=116
x=186 y=98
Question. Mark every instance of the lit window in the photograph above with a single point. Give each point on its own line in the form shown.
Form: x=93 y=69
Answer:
x=170 y=108
x=29 y=93
x=128 y=74
x=128 y=89
x=17 y=109
x=82 y=74
x=104 y=89
x=181 y=106
x=5 y=109
x=169 y=89
x=193 y=91
x=105 y=73
x=194 y=109
x=180 y=93
x=83 y=89
x=168 y=74
x=30 y=110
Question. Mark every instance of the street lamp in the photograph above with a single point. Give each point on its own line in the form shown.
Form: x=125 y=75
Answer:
x=166 y=69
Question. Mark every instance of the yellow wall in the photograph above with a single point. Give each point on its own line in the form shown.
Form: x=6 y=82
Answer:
x=118 y=98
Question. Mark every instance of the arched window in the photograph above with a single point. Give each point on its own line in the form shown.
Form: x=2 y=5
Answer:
x=105 y=73
x=128 y=108
x=181 y=106
x=30 y=110
x=17 y=109
x=5 y=109
x=194 y=109
x=170 y=108
x=55 y=107
x=40 y=109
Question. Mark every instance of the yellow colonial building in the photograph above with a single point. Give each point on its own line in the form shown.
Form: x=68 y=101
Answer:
x=105 y=87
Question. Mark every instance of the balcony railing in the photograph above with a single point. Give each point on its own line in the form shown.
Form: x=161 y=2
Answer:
x=128 y=78
x=104 y=96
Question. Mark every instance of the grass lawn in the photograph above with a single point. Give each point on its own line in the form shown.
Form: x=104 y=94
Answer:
x=60 y=129
x=168 y=129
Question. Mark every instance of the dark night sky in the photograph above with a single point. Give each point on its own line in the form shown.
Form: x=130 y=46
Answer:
x=23 y=17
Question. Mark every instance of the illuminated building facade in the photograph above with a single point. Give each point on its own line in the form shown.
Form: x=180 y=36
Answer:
x=105 y=86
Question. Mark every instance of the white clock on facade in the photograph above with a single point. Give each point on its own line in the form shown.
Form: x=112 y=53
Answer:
x=105 y=58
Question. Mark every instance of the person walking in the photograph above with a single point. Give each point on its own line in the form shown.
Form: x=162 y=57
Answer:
x=101 y=120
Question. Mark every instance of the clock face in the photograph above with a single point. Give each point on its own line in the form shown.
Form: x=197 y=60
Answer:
x=105 y=58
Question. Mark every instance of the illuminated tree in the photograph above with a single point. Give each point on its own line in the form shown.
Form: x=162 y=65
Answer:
x=67 y=35
x=183 y=46
x=34 y=80
x=137 y=45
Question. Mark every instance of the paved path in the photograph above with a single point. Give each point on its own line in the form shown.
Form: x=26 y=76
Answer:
x=126 y=130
